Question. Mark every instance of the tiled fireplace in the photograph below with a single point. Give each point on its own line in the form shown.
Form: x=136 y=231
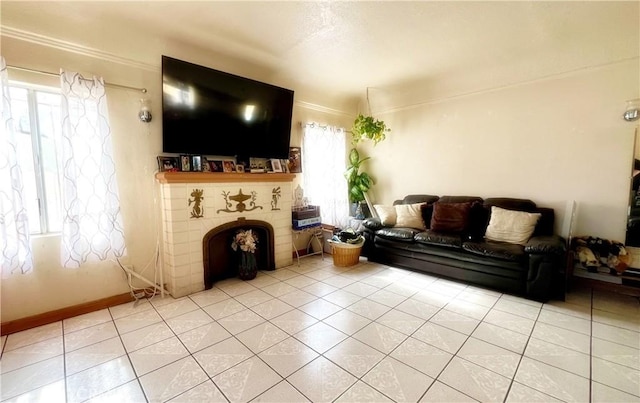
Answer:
x=193 y=203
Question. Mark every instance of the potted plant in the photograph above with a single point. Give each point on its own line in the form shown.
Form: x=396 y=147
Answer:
x=357 y=182
x=366 y=127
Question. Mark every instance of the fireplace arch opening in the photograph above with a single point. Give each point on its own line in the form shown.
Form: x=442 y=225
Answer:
x=218 y=258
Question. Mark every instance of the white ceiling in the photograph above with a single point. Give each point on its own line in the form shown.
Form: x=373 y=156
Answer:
x=445 y=48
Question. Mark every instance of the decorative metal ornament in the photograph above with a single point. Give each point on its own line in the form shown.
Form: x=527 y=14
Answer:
x=145 y=111
x=197 y=211
x=632 y=113
x=275 y=196
x=240 y=200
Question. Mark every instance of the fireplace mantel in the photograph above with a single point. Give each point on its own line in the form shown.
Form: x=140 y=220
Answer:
x=219 y=177
x=193 y=203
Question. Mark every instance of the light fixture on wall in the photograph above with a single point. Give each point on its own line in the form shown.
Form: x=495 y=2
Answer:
x=632 y=112
x=145 y=110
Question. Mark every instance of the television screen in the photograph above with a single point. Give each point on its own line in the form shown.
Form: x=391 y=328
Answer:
x=210 y=112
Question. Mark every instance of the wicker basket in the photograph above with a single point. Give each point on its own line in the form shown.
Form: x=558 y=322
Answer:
x=345 y=254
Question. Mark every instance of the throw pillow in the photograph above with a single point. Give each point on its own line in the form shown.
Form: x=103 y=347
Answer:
x=511 y=226
x=450 y=217
x=409 y=215
x=387 y=214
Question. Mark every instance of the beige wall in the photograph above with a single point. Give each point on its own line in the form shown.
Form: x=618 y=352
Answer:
x=136 y=146
x=553 y=140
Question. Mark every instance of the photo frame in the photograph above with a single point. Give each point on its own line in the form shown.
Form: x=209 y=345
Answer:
x=276 y=165
x=215 y=166
x=239 y=168
x=167 y=164
x=206 y=167
x=185 y=163
x=257 y=165
x=295 y=160
x=196 y=163
x=285 y=165
x=228 y=166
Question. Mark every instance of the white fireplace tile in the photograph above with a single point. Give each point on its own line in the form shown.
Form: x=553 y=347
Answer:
x=178 y=292
x=179 y=213
x=195 y=250
x=174 y=191
x=196 y=269
x=180 y=226
x=178 y=238
x=183 y=261
x=197 y=287
x=182 y=281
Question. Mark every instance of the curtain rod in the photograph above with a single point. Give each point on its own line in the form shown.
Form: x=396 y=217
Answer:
x=143 y=90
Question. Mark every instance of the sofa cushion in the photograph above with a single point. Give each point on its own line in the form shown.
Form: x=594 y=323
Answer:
x=386 y=214
x=497 y=250
x=397 y=234
x=450 y=217
x=511 y=226
x=478 y=221
x=427 y=211
x=409 y=215
x=430 y=237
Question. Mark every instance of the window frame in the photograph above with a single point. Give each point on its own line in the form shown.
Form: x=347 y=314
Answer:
x=36 y=148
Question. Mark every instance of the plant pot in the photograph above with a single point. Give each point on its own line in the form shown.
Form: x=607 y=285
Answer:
x=247 y=265
x=359 y=210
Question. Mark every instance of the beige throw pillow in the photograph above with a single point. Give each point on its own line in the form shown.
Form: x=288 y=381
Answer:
x=386 y=214
x=511 y=226
x=409 y=215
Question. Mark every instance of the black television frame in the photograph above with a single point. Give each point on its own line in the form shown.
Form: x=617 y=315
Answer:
x=215 y=125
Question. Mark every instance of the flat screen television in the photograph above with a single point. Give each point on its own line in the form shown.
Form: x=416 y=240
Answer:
x=210 y=112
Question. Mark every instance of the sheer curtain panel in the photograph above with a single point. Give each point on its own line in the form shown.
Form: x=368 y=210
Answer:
x=323 y=167
x=92 y=224
x=14 y=227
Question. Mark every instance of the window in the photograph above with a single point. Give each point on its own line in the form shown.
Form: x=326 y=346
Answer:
x=36 y=123
x=323 y=167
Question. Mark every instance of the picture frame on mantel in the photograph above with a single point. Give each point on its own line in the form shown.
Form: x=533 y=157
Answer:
x=276 y=165
x=295 y=160
x=185 y=163
x=167 y=164
x=196 y=163
x=215 y=165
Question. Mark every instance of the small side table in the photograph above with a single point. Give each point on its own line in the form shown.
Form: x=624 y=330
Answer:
x=316 y=234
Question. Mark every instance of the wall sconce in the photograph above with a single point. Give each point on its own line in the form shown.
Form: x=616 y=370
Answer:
x=145 y=110
x=632 y=113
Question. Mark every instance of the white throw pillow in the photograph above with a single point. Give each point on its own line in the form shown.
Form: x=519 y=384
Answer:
x=409 y=215
x=511 y=226
x=387 y=214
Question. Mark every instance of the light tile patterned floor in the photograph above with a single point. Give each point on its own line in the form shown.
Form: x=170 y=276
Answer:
x=320 y=333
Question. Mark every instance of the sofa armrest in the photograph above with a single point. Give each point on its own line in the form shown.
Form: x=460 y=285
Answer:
x=552 y=244
x=547 y=259
x=372 y=224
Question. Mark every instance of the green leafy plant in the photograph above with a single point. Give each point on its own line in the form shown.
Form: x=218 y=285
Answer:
x=357 y=182
x=366 y=127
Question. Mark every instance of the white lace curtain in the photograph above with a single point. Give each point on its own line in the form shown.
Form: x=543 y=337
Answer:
x=14 y=227
x=92 y=224
x=323 y=167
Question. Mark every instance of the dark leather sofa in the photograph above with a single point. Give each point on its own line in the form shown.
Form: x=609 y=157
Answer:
x=534 y=270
